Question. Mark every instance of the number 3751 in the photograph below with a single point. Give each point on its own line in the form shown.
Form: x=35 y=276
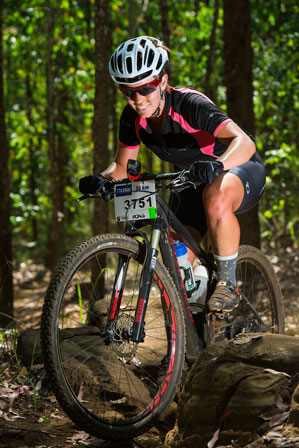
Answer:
x=137 y=203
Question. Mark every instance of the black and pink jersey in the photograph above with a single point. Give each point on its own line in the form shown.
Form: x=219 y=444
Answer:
x=189 y=129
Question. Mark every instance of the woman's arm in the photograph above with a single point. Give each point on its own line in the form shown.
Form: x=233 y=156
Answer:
x=240 y=147
x=118 y=168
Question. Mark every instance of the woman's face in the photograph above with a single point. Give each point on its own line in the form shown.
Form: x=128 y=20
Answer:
x=146 y=105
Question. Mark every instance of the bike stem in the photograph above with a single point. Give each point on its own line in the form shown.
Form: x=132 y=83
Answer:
x=146 y=281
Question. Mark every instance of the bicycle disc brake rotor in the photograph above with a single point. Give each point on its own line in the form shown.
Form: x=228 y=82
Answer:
x=120 y=337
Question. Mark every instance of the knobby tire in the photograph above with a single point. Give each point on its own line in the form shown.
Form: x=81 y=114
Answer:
x=110 y=386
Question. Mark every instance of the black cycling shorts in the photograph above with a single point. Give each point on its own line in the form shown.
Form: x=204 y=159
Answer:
x=188 y=204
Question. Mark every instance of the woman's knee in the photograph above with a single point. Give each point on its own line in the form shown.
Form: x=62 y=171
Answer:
x=223 y=196
x=214 y=200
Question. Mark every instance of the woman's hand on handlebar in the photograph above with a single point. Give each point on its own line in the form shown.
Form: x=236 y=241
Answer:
x=96 y=183
x=206 y=171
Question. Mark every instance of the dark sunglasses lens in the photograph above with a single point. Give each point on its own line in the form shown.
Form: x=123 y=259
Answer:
x=146 y=90
x=127 y=92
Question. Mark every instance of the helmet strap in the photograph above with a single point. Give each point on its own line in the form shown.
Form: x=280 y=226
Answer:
x=156 y=114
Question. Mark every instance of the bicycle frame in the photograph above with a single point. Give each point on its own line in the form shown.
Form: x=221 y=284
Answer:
x=160 y=237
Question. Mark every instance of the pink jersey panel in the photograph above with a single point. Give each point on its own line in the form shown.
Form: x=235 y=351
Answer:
x=140 y=122
x=221 y=125
x=126 y=146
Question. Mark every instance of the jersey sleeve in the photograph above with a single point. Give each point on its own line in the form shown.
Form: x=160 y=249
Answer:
x=201 y=113
x=127 y=128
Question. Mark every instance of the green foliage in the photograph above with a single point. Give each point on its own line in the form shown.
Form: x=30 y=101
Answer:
x=275 y=43
x=276 y=101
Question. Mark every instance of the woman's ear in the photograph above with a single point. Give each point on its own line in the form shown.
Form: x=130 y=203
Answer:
x=164 y=81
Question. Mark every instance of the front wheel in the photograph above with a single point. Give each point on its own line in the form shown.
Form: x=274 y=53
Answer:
x=109 y=385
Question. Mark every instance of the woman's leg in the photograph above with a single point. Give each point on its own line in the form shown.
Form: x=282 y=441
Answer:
x=221 y=199
x=235 y=191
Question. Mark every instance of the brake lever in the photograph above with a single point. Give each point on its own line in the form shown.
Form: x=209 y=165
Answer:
x=184 y=181
x=87 y=196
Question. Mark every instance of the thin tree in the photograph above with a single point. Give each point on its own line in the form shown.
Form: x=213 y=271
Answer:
x=165 y=31
x=101 y=107
x=101 y=121
x=165 y=28
x=6 y=284
x=209 y=90
x=132 y=18
x=238 y=60
x=52 y=256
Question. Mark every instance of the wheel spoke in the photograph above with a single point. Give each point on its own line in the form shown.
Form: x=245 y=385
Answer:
x=106 y=375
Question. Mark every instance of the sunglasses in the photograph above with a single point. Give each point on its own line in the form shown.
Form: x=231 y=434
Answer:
x=144 y=90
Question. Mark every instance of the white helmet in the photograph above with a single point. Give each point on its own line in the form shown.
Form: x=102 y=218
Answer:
x=137 y=60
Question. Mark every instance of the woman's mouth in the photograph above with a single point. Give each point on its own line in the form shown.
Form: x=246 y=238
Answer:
x=141 y=108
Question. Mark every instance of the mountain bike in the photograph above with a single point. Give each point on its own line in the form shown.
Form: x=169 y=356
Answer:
x=117 y=330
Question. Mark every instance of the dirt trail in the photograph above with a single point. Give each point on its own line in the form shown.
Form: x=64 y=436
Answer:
x=29 y=414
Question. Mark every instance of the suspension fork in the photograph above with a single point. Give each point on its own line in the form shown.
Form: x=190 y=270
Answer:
x=118 y=288
x=137 y=333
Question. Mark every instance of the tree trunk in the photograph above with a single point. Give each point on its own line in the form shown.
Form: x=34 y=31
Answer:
x=238 y=81
x=209 y=90
x=32 y=157
x=6 y=284
x=52 y=256
x=100 y=121
x=101 y=109
x=165 y=27
x=62 y=157
x=132 y=18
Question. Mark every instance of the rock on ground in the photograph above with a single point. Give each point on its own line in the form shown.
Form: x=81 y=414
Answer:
x=242 y=392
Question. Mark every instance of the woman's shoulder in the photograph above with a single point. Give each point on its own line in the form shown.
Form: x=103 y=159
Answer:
x=190 y=94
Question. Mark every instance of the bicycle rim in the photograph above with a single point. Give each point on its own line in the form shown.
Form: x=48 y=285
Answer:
x=256 y=281
x=109 y=385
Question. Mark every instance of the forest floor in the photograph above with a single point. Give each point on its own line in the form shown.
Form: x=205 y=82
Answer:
x=29 y=414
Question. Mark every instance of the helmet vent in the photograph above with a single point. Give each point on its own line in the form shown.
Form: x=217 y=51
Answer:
x=159 y=62
x=112 y=64
x=130 y=47
x=142 y=43
x=120 y=63
x=129 y=65
x=150 y=58
x=139 y=60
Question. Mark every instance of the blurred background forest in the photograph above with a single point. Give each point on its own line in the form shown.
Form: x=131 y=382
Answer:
x=59 y=110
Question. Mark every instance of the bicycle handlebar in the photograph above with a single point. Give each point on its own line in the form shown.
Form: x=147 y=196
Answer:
x=148 y=176
x=182 y=176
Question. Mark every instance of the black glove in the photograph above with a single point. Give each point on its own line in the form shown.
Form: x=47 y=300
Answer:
x=206 y=171
x=94 y=183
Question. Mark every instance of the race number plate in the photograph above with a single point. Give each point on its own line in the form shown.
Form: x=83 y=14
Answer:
x=134 y=201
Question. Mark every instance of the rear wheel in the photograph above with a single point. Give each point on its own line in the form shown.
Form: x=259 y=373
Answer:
x=107 y=384
x=258 y=284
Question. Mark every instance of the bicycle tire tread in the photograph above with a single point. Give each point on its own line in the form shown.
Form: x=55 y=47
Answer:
x=47 y=332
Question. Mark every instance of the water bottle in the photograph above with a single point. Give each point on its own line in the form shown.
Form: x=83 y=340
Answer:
x=185 y=266
x=201 y=277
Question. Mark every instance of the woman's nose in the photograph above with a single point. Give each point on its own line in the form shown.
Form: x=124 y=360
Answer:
x=137 y=97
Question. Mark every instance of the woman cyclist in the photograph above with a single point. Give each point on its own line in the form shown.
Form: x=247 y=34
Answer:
x=183 y=126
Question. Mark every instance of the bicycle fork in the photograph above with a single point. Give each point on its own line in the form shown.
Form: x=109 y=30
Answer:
x=146 y=282
x=137 y=332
